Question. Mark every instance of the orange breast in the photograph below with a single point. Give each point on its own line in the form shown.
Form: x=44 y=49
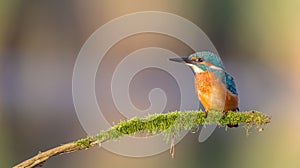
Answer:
x=213 y=94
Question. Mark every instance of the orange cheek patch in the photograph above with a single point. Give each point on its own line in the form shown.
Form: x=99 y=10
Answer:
x=193 y=58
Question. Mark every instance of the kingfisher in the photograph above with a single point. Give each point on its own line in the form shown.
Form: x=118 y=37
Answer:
x=215 y=88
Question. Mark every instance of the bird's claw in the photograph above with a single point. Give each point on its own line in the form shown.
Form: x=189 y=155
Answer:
x=205 y=114
x=224 y=112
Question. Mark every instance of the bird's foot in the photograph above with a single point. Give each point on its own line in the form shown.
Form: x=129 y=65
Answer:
x=224 y=112
x=205 y=114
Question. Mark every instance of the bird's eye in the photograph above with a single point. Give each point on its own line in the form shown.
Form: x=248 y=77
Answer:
x=196 y=59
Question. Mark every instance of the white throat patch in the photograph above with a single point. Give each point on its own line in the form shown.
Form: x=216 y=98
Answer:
x=195 y=68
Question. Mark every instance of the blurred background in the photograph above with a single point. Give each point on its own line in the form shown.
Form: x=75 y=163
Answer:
x=257 y=41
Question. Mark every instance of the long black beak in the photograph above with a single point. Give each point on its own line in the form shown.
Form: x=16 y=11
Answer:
x=181 y=60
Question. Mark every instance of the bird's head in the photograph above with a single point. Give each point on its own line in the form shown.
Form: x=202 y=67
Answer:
x=202 y=61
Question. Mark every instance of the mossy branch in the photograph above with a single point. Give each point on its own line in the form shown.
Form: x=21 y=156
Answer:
x=170 y=124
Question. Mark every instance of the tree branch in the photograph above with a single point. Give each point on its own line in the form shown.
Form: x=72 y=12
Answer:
x=169 y=124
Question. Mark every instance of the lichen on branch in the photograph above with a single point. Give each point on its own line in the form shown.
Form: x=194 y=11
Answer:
x=169 y=124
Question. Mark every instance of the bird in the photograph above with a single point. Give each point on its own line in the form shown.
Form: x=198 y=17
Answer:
x=215 y=88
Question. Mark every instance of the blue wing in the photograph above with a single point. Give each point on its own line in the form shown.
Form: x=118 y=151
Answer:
x=229 y=82
x=227 y=79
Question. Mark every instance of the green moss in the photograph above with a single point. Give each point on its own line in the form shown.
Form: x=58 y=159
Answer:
x=171 y=124
x=84 y=142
